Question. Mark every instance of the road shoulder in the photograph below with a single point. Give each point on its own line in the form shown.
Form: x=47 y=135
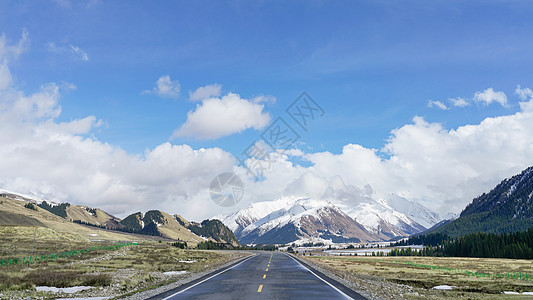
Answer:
x=347 y=287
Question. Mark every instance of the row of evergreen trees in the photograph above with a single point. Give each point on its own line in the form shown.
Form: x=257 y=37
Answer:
x=210 y=245
x=508 y=245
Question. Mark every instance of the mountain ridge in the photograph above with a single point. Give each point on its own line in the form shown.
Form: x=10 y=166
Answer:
x=290 y=218
x=508 y=207
x=16 y=209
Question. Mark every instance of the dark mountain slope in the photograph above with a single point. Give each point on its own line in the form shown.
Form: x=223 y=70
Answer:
x=507 y=208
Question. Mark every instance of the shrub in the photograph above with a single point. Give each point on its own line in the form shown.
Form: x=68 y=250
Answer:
x=97 y=280
x=52 y=278
x=30 y=206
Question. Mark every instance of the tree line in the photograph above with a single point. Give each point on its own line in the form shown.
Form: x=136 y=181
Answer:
x=517 y=245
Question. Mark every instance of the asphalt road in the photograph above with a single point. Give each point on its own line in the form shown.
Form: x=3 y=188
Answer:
x=268 y=275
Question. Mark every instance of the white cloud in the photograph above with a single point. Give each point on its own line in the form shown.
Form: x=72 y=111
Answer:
x=432 y=103
x=69 y=49
x=264 y=99
x=9 y=52
x=524 y=93
x=459 y=102
x=442 y=168
x=489 y=96
x=218 y=117
x=5 y=76
x=165 y=88
x=61 y=161
x=79 y=53
x=205 y=92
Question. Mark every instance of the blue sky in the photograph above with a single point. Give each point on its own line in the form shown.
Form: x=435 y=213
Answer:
x=372 y=65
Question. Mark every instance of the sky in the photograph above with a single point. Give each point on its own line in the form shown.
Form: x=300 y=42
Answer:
x=134 y=105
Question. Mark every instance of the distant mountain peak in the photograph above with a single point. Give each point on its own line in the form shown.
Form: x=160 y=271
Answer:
x=342 y=213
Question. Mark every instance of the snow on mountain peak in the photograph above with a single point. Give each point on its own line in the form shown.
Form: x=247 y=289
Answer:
x=394 y=216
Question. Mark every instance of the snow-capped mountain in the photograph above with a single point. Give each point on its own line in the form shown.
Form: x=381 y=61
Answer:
x=244 y=217
x=342 y=214
x=377 y=215
x=306 y=218
x=414 y=211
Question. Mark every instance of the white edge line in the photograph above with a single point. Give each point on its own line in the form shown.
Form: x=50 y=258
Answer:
x=331 y=285
x=208 y=278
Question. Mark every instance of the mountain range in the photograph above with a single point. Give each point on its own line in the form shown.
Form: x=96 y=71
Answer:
x=347 y=214
x=21 y=210
x=342 y=214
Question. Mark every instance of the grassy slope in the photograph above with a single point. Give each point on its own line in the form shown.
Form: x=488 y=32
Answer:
x=174 y=230
x=13 y=212
x=79 y=212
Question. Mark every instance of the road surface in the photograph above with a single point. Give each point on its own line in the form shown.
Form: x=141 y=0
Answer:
x=267 y=275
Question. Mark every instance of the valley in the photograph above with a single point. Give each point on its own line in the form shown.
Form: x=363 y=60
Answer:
x=354 y=238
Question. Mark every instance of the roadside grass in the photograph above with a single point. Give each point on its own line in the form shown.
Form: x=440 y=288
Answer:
x=118 y=271
x=425 y=279
x=18 y=241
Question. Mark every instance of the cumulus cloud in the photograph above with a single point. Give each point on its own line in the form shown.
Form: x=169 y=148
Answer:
x=432 y=103
x=459 y=102
x=489 y=96
x=69 y=49
x=61 y=161
x=205 y=92
x=165 y=88
x=218 y=117
x=444 y=169
x=440 y=167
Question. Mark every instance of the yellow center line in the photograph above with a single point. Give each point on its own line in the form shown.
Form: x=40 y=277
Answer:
x=266 y=270
x=260 y=288
x=264 y=276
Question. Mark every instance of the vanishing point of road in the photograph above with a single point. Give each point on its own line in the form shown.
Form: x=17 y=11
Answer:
x=266 y=275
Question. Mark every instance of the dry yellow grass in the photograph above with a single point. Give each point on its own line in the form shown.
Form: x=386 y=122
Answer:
x=13 y=212
x=426 y=279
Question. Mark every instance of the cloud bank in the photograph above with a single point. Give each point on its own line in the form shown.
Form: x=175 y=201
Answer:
x=441 y=168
